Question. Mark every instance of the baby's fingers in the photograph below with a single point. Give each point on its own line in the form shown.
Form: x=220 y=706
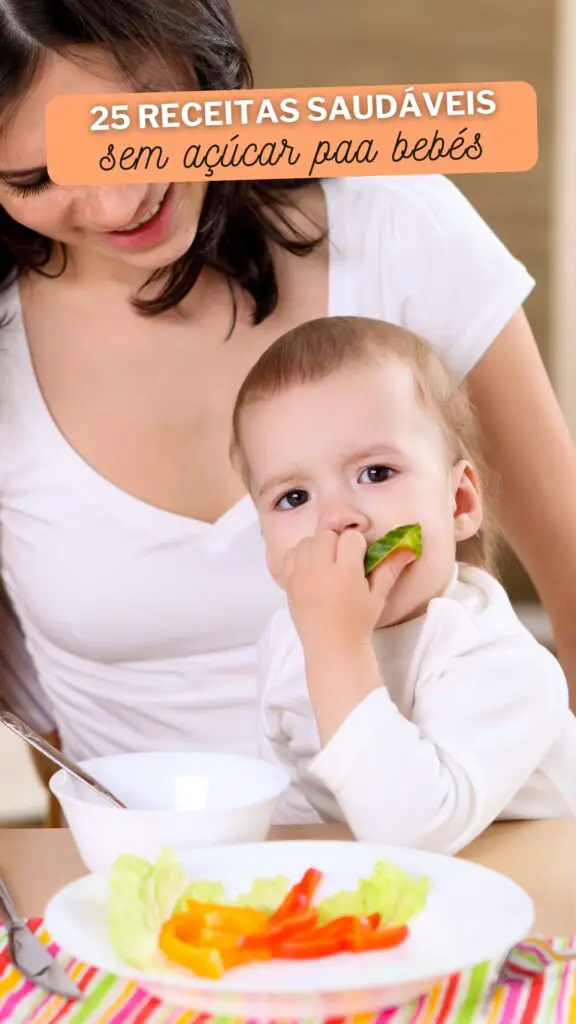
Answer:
x=385 y=575
x=351 y=551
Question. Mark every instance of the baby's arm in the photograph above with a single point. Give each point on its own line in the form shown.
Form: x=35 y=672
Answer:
x=480 y=726
x=287 y=735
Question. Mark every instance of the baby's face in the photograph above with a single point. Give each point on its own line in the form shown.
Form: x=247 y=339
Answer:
x=358 y=451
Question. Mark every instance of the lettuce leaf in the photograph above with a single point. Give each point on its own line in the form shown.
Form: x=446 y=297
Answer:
x=266 y=894
x=388 y=891
x=203 y=892
x=409 y=537
x=141 y=897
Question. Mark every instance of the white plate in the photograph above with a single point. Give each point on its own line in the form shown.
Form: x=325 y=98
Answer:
x=472 y=915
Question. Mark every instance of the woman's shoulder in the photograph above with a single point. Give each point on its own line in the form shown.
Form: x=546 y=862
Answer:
x=412 y=196
x=421 y=255
x=402 y=209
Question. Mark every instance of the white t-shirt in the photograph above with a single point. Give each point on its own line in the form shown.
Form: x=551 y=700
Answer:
x=471 y=723
x=142 y=625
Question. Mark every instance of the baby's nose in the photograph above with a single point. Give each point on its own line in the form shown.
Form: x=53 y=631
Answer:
x=344 y=518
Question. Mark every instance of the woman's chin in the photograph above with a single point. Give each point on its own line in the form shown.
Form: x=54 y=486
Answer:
x=156 y=258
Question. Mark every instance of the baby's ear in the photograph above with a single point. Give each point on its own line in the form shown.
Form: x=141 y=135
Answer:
x=467 y=501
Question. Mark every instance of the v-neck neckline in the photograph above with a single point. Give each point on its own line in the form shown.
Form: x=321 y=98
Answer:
x=93 y=482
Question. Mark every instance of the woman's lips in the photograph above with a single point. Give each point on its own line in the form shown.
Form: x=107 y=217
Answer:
x=152 y=229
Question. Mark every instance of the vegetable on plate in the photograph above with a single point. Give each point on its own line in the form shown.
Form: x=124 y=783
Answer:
x=156 y=916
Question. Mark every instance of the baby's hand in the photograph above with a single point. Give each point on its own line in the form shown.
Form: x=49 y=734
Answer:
x=331 y=600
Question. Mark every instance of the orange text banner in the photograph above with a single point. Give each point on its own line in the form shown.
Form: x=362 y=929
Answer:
x=298 y=133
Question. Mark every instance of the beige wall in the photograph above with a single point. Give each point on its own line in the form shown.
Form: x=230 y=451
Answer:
x=357 y=42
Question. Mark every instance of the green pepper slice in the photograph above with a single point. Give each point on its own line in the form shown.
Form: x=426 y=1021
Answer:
x=408 y=537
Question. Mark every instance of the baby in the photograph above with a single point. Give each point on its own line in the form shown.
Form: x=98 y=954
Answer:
x=410 y=703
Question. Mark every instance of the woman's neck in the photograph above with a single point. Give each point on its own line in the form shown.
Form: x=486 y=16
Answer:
x=86 y=266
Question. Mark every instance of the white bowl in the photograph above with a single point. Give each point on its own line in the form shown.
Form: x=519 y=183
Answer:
x=183 y=801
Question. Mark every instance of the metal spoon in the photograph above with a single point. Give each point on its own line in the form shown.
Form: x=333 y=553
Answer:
x=26 y=733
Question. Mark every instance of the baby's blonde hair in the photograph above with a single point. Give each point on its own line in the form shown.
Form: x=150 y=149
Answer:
x=314 y=350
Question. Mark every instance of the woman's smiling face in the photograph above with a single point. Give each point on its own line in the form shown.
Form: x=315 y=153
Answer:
x=146 y=225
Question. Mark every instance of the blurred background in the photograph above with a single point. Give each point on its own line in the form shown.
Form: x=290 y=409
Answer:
x=385 y=42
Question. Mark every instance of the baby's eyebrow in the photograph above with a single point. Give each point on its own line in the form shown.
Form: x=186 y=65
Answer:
x=377 y=450
x=279 y=481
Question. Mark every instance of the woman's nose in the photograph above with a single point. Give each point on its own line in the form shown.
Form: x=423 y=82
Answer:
x=109 y=208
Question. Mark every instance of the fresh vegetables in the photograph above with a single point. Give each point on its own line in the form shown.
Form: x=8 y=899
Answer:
x=388 y=891
x=407 y=537
x=156 y=915
x=209 y=939
x=141 y=897
x=298 y=898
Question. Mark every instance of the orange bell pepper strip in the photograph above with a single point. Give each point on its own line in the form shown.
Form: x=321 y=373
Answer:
x=240 y=920
x=215 y=938
x=175 y=941
x=207 y=953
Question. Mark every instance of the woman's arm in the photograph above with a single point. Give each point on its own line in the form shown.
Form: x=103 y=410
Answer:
x=21 y=693
x=528 y=447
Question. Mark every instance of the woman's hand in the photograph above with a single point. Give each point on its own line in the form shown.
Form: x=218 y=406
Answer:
x=335 y=609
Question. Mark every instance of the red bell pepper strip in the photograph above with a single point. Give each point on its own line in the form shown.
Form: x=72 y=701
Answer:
x=309 y=947
x=300 y=896
x=347 y=925
x=384 y=938
x=303 y=921
x=343 y=935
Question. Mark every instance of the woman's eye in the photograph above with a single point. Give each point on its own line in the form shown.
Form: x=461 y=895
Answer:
x=293 y=499
x=32 y=188
x=376 y=475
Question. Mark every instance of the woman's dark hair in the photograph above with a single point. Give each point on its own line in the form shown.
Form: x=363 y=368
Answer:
x=198 y=44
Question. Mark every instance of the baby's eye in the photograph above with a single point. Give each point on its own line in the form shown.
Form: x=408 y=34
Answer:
x=376 y=475
x=293 y=499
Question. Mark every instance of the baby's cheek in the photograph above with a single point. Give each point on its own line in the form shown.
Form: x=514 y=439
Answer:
x=437 y=562
x=275 y=548
x=275 y=562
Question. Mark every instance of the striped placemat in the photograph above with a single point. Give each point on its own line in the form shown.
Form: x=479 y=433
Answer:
x=550 y=998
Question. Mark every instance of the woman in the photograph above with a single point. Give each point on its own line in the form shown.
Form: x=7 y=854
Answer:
x=130 y=551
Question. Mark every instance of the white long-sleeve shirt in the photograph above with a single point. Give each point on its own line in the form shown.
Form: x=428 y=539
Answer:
x=471 y=724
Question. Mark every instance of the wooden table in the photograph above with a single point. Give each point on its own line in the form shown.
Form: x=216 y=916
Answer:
x=539 y=855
